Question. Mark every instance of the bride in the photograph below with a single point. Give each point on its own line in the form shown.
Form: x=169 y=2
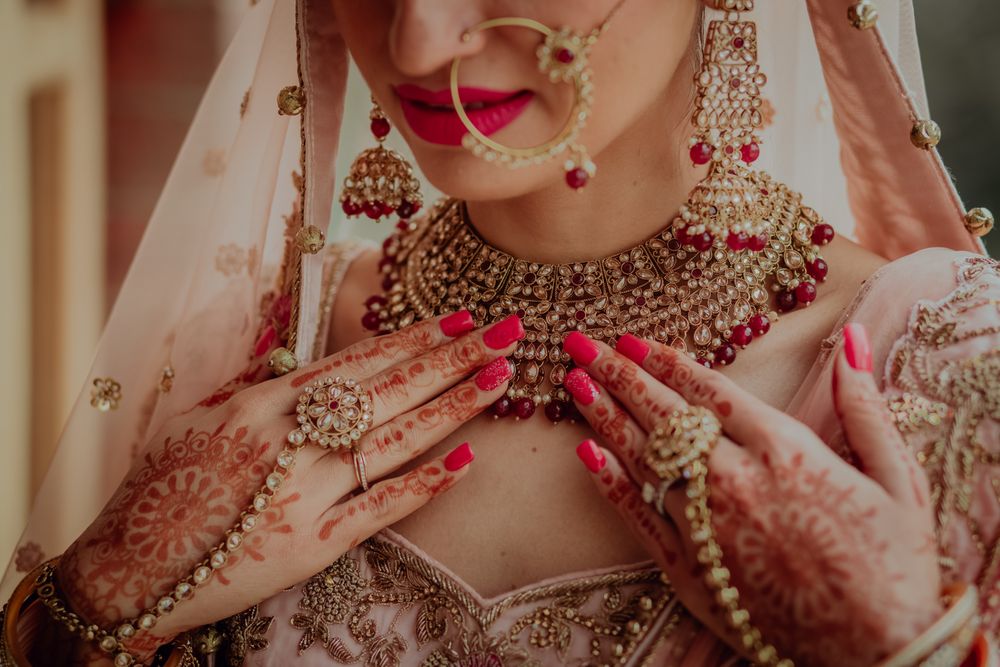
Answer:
x=788 y=438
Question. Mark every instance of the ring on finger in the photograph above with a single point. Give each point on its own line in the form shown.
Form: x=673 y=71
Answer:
x=334 y=413
x=683 y=439
x=655 y=495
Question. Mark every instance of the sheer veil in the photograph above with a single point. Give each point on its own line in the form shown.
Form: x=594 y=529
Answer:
x=191 y=303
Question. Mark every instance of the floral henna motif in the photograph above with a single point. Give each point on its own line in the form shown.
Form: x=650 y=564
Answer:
x=167 y=515
x=29 y=556
x=664 y=364
x=799 y=546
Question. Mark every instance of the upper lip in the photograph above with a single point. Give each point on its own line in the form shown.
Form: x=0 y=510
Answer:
x=442 y=98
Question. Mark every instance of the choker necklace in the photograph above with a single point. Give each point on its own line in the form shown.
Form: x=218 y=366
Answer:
x=709 y=301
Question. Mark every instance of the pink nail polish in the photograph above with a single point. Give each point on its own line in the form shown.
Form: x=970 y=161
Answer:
x=457 y=324
x=503 y=333
x=591 y=455
x=459 y=457
x=263 y=344
x=632 y=348
x=580 y=348
x=857 y=348
x=494 y=374
x=581 y=386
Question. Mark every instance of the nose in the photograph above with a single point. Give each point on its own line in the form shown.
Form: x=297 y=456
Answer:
x=426 y=35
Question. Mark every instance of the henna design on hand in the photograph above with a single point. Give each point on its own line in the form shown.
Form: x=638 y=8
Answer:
x=175 y=505
x=664 y=363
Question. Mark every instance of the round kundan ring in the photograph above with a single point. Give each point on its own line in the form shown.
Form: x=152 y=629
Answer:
x=679 y=445
x=334 y=413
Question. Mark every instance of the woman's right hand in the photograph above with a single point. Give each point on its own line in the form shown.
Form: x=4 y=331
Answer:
x=193 y=479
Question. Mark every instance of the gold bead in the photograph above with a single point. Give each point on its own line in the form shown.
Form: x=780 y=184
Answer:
x=310 y=239
x=979 y=221
x=925 y=134
x=291 y=101
x=207 y=640
x=282 y=361
x=862 y=15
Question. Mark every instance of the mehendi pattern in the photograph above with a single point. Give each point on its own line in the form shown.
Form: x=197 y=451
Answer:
x=613 y=613
x=943 y=389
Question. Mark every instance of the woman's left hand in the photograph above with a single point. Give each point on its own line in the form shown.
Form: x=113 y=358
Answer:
x=836 y=566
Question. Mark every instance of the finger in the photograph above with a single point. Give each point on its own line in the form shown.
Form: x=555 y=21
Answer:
x=414 y=382
x=656 y=534
x=744 y=417
x=373 y=355
x=346 y=524
x=868 y=424
x=611 y=421
x=647 y=399
x=411 y=434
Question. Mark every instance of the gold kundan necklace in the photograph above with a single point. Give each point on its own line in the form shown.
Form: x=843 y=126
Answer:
x=706 y=298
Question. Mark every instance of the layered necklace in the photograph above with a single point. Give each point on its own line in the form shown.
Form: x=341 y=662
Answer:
x=710 y=300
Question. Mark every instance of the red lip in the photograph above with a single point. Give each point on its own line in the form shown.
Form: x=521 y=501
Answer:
x=432 y=117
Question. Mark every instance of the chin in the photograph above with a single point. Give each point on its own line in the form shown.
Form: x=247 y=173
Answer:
x=464 y=176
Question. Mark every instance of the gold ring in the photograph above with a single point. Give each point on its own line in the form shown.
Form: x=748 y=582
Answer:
x=332 y=413
x=678 y=447
x=360 y=467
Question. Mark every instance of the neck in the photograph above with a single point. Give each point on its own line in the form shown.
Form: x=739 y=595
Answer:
x=643 y=177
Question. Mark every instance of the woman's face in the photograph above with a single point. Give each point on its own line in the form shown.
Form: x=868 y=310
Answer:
x=404 y=49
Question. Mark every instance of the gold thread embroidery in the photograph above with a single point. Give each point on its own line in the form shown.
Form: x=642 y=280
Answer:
x=941 y=403
x=245 y=632
x=230 y=259
x=453 y=625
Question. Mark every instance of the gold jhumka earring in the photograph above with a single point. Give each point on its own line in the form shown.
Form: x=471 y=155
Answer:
x=381 y=182
x=562 y=56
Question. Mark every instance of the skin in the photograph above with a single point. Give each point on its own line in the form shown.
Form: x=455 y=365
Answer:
x=637 y=136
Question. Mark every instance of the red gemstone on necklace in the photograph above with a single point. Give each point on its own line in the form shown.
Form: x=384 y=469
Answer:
x=758 y=242
x=735 y=83
x=577 y=178
x=565 y=56
x=524 y=407
x=628 y=267
x=750 y=152
x=520 y=312
x=786 y=301
x=738 y=43
x=384 y=263
x=725 y=354
x=380 y=127
x=760 y=324
x=373 y=209
x=503 y=406
x=805 y=293
x=580 y=315
x=704 y=361
x=375 y=300
x=387 y=283
x=529 y=278
x=822 y=234
x=640 y=301
x=578 y=279
x=556 y=411
x=741 y=335
x=738 y=241
x=701 y=242
x=334 y=405
x=680 y=233
x=818 y=269
x=701 y=153
x=371 y=321
x=696 y=273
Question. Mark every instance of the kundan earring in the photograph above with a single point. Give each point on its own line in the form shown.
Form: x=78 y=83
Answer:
x=562 y=56
x=381 y=182
x=726 y=119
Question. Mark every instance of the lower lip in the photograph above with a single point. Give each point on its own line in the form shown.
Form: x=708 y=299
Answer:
x=446 y=128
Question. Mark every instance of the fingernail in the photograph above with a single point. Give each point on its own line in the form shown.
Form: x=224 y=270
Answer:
x=459 y=457
x=263 y=343
x=504 y=332
x=494 y=374
x=580 y=348
x=457 y=324
x=632 y=348
x=591 y=455
x=579 y=384
x=857 y=348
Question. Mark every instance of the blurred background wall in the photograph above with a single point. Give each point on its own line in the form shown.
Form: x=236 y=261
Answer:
x=95 y=98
